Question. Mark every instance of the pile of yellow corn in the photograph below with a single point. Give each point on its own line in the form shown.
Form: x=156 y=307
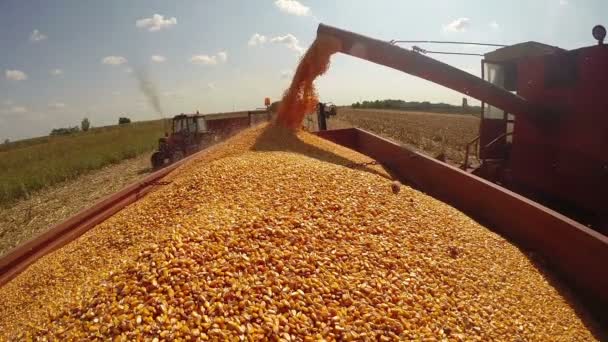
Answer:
x=273 y=236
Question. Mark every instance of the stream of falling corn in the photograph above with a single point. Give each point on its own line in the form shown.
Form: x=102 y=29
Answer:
x=270 y=236
x=301 y=97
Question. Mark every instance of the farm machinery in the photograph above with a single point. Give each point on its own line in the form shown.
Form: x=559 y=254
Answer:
x=324 y=112
x=193 y=132
x=543 y=134
x=544 y=123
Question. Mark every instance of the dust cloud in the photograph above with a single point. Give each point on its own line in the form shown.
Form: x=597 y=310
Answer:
x=148 y=87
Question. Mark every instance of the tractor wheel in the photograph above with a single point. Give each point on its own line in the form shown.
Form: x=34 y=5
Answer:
x=157 y=159
x=177 y=155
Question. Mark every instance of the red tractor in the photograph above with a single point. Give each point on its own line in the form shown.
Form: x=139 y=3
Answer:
x=188 y=134
x=192 y=132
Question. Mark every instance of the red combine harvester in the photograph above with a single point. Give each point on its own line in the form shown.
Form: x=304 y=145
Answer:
x=193 y=132
x=544 y=123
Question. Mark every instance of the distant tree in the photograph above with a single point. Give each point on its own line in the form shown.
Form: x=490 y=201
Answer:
x=65 y=130
x=85 y=124
x=6 y=141
x=417 y=106
x=123 y=120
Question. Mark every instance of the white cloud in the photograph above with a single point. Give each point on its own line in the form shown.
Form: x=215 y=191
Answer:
x=458 y=25
x=156 y=23
x=57 y=105
x=158 y=59
x=15 y=75
x=37 y=36
x=18 y=109
x=114 y=60
x=292 y=7
x=56 y=72
x=494 y=25
x=203 y=60
x=290 y=41
x=257 y=39
x=222 y=56
x=563 y=2
x=286 y=74
x=128 y=70
x=218 y=58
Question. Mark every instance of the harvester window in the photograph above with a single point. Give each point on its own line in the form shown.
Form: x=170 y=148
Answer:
x=510 y=82
x=495 y=74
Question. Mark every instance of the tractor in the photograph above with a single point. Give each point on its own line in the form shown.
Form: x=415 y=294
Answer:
x=188 y=134
x=192 y=132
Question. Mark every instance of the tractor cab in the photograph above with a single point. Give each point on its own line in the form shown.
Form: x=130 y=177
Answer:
x=188 y=124
x=188 y=134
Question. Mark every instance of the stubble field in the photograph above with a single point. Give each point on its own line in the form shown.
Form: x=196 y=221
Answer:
x=432 y=133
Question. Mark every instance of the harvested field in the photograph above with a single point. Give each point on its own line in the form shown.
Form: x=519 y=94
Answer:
x=432 y=133
x=28 y=217
x=271 y=235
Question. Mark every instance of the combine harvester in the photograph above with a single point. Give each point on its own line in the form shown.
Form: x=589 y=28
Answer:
x=546 y=142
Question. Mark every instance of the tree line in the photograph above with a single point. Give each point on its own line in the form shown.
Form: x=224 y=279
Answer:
x=85 y=124
x=423 y=106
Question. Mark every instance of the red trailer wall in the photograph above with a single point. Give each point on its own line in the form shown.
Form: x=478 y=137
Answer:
x=228 y=125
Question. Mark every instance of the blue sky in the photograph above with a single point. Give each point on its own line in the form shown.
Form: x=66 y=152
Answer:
x=63 y=60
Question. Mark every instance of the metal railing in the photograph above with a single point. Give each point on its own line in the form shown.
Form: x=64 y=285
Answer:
x=465 y=165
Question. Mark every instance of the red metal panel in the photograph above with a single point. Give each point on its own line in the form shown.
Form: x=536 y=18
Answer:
x=576 y=252
x=345 y=137
x=564 y=155
x=228 y=126
x=489 y=130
